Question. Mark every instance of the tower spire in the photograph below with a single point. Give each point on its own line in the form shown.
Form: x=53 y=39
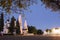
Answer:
x=20 y=23
x=25 y=27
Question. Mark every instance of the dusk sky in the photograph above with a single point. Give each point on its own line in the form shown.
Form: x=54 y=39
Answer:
x=41 y=17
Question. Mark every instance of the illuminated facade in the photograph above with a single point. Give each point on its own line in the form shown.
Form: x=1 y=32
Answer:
x=6 y=26
x=25 y=29
x=54 y=31
x=22 y=30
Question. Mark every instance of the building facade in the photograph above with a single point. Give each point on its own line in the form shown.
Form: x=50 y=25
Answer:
x=54 y=31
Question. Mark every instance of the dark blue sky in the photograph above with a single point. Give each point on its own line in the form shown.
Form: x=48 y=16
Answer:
x=42 y=18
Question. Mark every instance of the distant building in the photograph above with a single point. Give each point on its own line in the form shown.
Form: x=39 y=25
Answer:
x=54 y=31
x=14 y=28
x=6 y=26
x=20 y=23
x=25 y=29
